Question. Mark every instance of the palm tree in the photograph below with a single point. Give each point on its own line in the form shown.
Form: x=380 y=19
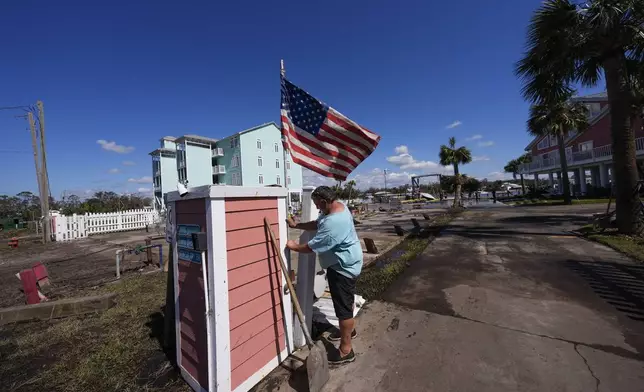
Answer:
x=350 y=185
x=558 y=119
x=512 y=167
x=523 y=159
x=573 y=43
x=450 y=155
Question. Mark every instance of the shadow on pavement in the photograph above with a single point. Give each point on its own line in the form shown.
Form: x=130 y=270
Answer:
x=546 y=219
x=495 y=231
x=621 y=285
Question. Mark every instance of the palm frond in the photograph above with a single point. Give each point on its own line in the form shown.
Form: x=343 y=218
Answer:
x=552 y=54
x=451 y=155
x=557 y=118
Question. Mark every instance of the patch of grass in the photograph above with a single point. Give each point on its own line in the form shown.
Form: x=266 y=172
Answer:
x=375 y=279
x=117 y=349
x=632 y=246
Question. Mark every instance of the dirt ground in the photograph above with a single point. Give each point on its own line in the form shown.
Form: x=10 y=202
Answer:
x=75 y=265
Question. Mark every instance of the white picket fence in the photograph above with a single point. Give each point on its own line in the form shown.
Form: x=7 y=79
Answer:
x=67 y=228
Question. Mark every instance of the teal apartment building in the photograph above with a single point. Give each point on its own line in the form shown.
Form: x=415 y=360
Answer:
x=253 y=157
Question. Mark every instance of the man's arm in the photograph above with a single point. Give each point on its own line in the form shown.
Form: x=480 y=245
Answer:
x=302 y=248
x=308 y=226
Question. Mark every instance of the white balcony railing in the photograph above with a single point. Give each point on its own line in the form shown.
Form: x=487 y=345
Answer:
x=217 y=152
x=157 y=188
x=219 y=169
x=157 y=173
x=602 y=153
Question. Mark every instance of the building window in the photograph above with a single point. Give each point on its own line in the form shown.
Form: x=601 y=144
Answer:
x=183 y=175
x=586 y=146
x=278 y=181
x=277 y=147
x=545 y=143
x=260 y=179
x=235 y=179
x=259 y=161
x=288 y=180
x=288 y=165
x=553 y=140
x=277 y=163
x=232 y=143
x=235 y=161
x=593 y=109
x=259 y=144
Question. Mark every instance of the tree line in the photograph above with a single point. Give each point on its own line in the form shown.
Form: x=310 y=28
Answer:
x=26 y=206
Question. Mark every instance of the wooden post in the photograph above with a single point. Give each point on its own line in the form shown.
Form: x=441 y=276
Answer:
x=45 y=176
x=306 y=269
x=34 y=145
x=168 y=312
x=148 y=251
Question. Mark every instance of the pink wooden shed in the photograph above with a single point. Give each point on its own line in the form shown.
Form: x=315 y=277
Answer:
x=245 y=335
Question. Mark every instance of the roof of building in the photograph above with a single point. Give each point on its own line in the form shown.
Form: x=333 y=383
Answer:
x=163 y=150
x=254 y=128
x=601 y=96
x=204 y=139
x=196 y=138
x=596 y=97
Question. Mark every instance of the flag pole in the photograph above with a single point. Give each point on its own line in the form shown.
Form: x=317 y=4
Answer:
x=288 y=194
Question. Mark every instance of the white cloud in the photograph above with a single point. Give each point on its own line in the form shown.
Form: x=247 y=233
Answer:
x=142 y=180
x=402 y=150
x=311 y=178
x=480 y=158
x=454 y=124
x=144 y=190
x=498 y=175
x=376 y=178
x=407 y=162
x=486 y=144
x=129 y=163
x=117 y=148
x=474 y=137
x=114 y=171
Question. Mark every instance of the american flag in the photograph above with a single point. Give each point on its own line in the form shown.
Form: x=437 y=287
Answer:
x=319 y=137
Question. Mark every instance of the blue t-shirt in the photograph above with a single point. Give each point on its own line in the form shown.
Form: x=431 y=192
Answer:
x=337 y=244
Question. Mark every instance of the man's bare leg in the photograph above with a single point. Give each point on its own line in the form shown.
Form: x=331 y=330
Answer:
x=346 y=328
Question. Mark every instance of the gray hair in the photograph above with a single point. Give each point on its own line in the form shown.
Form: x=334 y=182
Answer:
x=324 y=193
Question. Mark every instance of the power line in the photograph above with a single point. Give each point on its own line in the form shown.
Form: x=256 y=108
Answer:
x=14 y=107
x=13 y=151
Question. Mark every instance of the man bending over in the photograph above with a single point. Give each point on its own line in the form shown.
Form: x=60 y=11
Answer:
x=338 y=248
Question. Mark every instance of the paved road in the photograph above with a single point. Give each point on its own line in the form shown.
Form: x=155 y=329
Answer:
x=505 y=300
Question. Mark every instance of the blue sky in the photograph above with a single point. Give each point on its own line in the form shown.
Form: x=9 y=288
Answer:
x=128 y=73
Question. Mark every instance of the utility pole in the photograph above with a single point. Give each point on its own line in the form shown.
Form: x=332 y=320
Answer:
x=45 y=176
x=385 y=173
x=39 y=177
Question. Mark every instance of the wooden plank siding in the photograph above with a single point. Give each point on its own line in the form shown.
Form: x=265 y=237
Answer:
x=194 y=351
x=254 y=283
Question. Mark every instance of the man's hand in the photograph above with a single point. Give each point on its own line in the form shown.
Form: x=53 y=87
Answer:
x=302 y=248
x=291 y=223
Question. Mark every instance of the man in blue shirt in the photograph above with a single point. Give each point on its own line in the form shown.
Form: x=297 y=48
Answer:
x=339 y=252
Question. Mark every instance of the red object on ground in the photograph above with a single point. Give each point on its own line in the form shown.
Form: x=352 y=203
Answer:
x=13 y=242
x=30 y=286
x=42 y=276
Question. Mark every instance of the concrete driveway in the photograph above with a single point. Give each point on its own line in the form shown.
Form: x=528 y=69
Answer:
x=504 y=300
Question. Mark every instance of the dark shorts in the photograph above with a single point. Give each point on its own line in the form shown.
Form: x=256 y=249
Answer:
x=342 y=291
